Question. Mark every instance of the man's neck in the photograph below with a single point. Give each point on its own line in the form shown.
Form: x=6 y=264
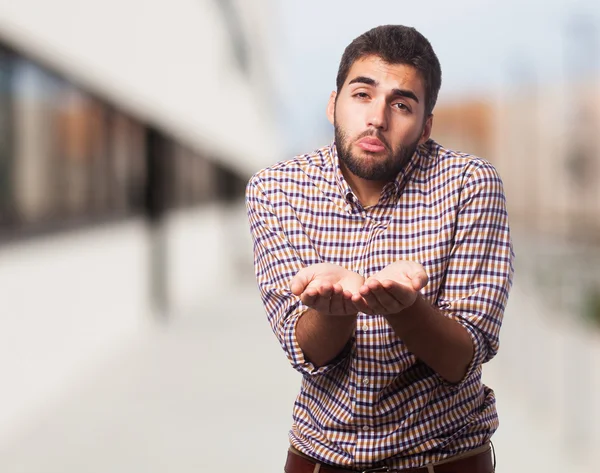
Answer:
x=368 y=192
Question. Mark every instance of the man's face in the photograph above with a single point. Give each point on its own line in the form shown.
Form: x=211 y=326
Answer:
x=379 y=118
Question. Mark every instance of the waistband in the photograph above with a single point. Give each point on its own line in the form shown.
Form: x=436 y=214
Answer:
x=478 y=460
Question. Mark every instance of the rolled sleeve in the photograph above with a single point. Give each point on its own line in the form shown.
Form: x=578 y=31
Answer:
x=294 y=352
x=480 y=267
x=276 y=262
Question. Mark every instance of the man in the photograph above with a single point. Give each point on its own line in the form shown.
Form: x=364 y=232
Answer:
x=384 y=262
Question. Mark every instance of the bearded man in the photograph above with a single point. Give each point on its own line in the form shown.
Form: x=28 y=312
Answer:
x=384 y=262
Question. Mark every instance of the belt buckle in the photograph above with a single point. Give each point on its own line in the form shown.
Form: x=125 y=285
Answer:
x=376 y=470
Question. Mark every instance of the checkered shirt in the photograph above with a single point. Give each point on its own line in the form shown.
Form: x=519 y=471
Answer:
x=376 y=402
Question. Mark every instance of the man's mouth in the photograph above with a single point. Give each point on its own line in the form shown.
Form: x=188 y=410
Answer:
x=371 y=144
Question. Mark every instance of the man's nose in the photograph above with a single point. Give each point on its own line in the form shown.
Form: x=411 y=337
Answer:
x=377 y=115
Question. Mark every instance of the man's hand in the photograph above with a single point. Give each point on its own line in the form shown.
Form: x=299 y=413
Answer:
x=327 y=288
x=392 y=289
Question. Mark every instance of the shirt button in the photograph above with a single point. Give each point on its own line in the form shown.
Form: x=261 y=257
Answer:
x=365 y=381
x=366 y=428
x=365 y=328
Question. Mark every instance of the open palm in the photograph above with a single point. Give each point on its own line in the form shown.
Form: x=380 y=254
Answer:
x=327 y=288
x=392 y=289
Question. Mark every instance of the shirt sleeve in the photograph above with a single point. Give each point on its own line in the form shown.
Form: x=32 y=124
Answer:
x=480 y=269
x=276 y=262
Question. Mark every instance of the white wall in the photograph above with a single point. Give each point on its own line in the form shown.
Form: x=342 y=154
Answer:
x=210 y=252
x=66 y=302
x=70 y=302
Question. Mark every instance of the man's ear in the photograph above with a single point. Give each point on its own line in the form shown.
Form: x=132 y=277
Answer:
x=426 y=130
x=331 y=107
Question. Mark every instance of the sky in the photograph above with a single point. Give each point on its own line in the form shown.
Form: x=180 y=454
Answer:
x=483 y=46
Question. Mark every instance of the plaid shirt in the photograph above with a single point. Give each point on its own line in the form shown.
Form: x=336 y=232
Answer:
x=376 y=401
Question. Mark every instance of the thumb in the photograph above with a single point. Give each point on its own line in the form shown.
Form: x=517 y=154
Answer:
x=300 y=281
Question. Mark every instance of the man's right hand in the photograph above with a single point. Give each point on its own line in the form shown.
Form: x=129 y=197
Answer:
x=327 y=288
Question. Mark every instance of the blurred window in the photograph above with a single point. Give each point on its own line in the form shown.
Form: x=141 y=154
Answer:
x=69 y=158
x=6 y=120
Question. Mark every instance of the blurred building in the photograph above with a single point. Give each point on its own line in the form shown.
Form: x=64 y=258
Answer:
x=128 y=130
x=84 y=87
x=465 y=126
x=544 y=140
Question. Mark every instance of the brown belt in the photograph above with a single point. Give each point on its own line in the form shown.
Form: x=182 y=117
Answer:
x=478 y=463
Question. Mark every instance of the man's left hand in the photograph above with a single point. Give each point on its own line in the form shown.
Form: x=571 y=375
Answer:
x=392 y=289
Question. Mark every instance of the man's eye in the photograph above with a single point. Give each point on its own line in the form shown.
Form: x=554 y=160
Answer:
x=361 y=95
x=400 y=106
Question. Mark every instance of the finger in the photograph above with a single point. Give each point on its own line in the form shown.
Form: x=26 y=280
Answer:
x=361 y=305
x=419 y=279
x=339 y=306
x=297 y=285
x=316 y=302
x=326 y=290
x=322 y=305
x=336 y=305
x=364 y=298
x=300 y=281
x=402 y=293
x=383 y=300
x=345 y=297
x=310 y=293
x=309 y=297
x=338 y=289
x=367 y=287
x=374 y=303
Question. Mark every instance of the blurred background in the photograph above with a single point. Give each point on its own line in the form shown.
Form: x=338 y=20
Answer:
x=133 y=337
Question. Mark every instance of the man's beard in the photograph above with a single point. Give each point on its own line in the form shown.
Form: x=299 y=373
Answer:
x=379 y=168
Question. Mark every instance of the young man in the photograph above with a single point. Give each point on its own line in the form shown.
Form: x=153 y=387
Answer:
x=384 y=262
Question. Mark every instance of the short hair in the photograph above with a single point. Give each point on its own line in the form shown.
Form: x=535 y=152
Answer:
x=396 y=44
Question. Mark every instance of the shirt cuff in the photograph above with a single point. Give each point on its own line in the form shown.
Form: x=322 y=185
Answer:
x=294 y=352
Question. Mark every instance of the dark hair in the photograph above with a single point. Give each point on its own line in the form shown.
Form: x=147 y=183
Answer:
x=396 y=44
